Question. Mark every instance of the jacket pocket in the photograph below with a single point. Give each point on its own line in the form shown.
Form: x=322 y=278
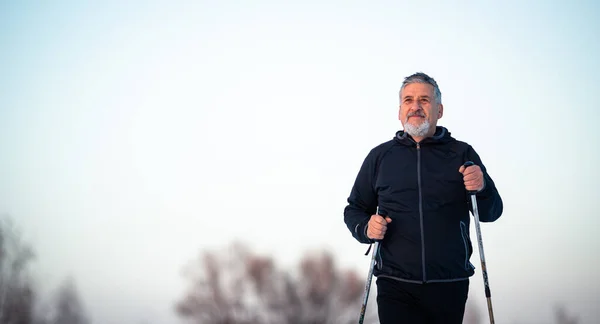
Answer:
x=464 y=232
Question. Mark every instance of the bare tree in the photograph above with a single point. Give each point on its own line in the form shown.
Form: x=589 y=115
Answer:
x=561 y=316
x=16 y=291
x=68 y=308
x=18 y=299
x=240 y=287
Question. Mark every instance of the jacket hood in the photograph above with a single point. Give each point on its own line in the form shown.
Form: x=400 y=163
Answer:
x=441 y=135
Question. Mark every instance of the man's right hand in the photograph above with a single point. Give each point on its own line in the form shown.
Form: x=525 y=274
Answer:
x=377 y=227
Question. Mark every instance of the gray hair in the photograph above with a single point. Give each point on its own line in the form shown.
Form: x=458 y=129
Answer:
x=421 y=77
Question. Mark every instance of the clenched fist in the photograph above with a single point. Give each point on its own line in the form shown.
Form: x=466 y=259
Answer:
x=377 y=227
x=473 y=177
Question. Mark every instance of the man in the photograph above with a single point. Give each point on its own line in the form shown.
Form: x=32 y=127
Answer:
x=418 y=184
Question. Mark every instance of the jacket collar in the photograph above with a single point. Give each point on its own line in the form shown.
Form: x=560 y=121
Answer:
x=441 y=135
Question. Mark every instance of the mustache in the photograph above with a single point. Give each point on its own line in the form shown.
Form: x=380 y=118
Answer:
x=416 y=113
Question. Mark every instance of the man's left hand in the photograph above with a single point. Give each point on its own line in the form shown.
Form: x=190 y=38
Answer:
x=473 y=177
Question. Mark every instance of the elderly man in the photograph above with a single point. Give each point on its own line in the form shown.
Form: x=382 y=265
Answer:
x=418 y=183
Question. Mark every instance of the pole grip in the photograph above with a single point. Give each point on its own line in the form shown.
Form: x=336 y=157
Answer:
x=468 y=164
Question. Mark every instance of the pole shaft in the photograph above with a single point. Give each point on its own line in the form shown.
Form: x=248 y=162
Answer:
x=488 y=293
x=368 y=285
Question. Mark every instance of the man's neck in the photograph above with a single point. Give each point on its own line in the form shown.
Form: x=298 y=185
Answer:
x=419 y=139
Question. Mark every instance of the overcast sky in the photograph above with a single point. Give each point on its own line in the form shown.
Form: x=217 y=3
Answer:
x=134 y=134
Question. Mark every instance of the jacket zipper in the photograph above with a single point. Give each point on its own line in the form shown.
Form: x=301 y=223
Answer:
x=421 y=211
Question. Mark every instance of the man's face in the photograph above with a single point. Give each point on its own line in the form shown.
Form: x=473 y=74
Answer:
x=418 y=109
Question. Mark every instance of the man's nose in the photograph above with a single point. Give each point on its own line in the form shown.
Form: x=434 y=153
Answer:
x=416 y=105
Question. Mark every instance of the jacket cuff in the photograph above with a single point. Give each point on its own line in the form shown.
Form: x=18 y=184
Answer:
x=484 y=185
x=361 y=232
x=366 y=227
x=487 y=189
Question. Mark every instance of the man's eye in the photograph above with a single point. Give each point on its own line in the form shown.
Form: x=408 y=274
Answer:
x=424 y=100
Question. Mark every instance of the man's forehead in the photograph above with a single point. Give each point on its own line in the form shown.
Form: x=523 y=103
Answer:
x=417 y=89
x=417 y=95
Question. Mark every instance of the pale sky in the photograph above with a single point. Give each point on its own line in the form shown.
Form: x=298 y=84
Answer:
x=132 y=136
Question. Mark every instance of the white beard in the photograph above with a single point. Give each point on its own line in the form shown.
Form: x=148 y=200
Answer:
x=417 y=131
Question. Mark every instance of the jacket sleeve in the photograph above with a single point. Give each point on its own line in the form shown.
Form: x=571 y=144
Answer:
x=362 y=202
x=489 y=202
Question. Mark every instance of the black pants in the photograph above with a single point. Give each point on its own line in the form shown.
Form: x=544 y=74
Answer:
x=400 y=302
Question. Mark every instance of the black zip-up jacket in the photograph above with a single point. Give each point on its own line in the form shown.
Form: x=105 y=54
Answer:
x=419 y=187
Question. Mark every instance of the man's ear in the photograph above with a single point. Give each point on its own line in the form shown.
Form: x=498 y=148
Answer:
x=400 y=112
x=441 y=111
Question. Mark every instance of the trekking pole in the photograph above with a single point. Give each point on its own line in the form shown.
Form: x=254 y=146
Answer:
x=488 y=293
x=369 y=277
